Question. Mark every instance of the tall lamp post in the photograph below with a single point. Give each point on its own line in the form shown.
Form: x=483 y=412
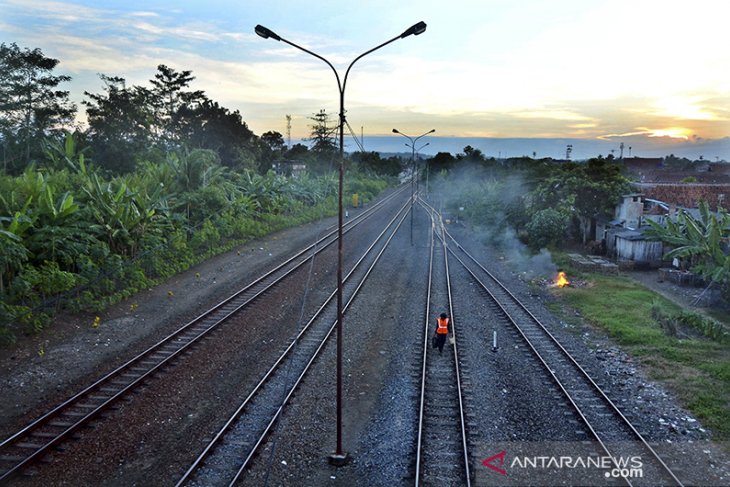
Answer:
x=412 y=145
x=419 y=158
x=339 y=457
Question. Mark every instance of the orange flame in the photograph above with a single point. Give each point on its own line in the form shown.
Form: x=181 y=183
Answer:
x=561 y=280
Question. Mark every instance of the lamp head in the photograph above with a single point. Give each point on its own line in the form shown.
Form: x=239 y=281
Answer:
x=395 y=131
x=266 y=33
x=415 y=29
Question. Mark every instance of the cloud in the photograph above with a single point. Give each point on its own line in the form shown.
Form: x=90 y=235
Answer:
x=560 y=71
x=687 y=108
x=551 y=114
x=52 y=10
x=187 y=32
x=143 y=14
x=671 y=132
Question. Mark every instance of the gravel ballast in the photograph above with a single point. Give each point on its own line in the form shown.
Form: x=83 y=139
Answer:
x=152 y=438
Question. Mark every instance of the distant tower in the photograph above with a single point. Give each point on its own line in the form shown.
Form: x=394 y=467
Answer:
x=621 y=154
x=288 y=131
x=568 y=150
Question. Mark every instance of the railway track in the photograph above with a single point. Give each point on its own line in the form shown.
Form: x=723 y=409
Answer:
x=226 y=458
x=613 y=432
x=442 y=453
x=38 y=439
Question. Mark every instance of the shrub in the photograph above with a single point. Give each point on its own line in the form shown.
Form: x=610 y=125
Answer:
x=546 y=227
x=206 y=237
x=671 y=323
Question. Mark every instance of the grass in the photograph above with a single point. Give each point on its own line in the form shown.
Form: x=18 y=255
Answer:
x=696 y=370
x=720 y=316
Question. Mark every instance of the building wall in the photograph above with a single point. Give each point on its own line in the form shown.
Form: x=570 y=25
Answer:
x=631 y=210
x=640 y=251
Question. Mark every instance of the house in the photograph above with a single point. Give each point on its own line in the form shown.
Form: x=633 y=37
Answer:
x=632 y=245
x=672 y=170
x=687 y=195
x=624 y=237
x=630 y=211
x=289 y=168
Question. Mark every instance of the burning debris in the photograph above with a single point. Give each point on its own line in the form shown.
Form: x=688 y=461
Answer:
x=561 y=280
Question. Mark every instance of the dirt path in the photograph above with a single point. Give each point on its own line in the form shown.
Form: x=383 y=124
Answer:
x=40 y=369
x=684 y=296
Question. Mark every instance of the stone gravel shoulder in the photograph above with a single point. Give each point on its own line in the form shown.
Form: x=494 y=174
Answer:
x=672 y=430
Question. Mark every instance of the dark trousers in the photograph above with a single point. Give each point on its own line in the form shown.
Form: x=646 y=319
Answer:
x=440 y=340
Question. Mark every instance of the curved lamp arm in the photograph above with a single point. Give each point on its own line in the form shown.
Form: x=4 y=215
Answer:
x=268 y=33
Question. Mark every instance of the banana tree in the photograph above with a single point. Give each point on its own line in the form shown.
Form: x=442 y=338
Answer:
x=59 y=235
x=120 y=214
x=13 y=255
x=189 y=171
x=704 y=241
x=65 y=154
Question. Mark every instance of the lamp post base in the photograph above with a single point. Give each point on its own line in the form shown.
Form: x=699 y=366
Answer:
x=338 y=459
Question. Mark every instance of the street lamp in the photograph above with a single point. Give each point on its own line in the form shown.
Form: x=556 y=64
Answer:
x=339 y=457
x=418 y=158
x=412 y=145
x=427 y=165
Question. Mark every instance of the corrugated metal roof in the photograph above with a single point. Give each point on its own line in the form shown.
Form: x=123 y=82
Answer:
x=631 y=235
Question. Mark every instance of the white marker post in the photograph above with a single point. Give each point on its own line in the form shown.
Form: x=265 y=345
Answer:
x=494 y=341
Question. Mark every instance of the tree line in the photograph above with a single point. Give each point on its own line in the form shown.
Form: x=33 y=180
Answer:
x=552 y=204
x=160 y=178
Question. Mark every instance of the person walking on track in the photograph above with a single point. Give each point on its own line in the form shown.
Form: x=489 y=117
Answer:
x=443 y=327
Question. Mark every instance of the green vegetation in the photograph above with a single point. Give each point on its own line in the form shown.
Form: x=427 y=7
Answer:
x=688 y=352
x=703 y=242
x=673 y=323
x=82 y=240
x=542 y=202
x=162 y=178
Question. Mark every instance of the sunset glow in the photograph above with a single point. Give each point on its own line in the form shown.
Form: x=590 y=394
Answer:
x=686 y=108
x=509 y=69
x=674 y=132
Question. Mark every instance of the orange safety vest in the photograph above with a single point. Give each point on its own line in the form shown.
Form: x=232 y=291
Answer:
x=443 y=326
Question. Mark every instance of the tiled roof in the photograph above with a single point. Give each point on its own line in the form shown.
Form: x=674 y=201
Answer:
x=689 y=195
x=654 y=170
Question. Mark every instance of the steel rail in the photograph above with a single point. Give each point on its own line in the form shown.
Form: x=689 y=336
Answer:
x=462 y=422
x=33 y=441
x=551 y=369
x=238 y=416
x=437 y=231
x=426 y=334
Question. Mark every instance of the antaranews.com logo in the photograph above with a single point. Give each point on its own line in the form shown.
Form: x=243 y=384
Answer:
x=616 y=467
x=557 y=464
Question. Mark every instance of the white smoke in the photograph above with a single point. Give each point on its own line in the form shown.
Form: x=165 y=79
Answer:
x=494 y=226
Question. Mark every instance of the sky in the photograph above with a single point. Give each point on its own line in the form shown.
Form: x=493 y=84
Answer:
x=601 y=70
